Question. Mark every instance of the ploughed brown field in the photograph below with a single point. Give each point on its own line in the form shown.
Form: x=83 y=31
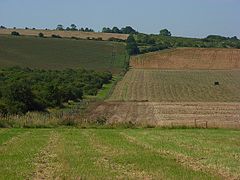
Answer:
x=65 y=34
x=181 y=87
x=189 y=58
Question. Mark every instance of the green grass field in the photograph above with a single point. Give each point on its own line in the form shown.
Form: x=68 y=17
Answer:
x=49 y=53
x=119 y=153
x=178 y=86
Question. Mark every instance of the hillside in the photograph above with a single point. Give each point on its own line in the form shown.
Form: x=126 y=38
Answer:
x=189 y=58
x=178 y=86
x=65 y=34
x=50 y=53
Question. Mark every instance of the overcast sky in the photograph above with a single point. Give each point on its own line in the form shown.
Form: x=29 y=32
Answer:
x=193 y=18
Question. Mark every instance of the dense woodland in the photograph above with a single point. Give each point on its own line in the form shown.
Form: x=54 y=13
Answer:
x=23 y=90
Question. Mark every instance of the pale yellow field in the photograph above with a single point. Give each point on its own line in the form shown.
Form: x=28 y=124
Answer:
x=66 y=34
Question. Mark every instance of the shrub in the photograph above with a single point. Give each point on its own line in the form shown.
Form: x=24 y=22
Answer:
x=15 y=33
x=56 y=36
x=41 y=35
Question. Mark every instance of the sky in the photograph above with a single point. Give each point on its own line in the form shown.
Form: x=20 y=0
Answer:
x=191 y=18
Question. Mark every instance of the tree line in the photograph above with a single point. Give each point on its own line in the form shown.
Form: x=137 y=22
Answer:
x=23 y=89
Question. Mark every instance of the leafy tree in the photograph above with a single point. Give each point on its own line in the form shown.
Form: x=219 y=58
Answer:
x=60 y=27
x=128 y=30
x=2 y=27
x=165 y=32
x=73 y=27
x=132 y=47
x=116 y=30
x=19 y=98
x=106 y=30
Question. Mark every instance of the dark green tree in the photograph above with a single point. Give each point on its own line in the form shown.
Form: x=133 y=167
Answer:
x=165 y=32
x=60 y=27
x=73 y=27
x=132 y=47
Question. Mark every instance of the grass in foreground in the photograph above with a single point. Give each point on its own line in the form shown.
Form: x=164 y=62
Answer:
x=119 y=153
x=50 y=53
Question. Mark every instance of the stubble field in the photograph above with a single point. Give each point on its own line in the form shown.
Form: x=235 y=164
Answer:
x=178 y=86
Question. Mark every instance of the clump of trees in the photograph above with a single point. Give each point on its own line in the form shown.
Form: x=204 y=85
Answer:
x=24 y=89
x=73 y=27
x=124 y=30
x=3 y=27
x=165 y=32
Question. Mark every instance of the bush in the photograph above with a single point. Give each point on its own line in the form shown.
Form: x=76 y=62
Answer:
x=56 y=36
x=15 y=33
x=41 y=35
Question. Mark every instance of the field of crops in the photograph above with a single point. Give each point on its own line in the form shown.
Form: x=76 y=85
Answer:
x=119 y=153
x=189 y=58
x=49 y=53
x=65 y=34
x=178 y=86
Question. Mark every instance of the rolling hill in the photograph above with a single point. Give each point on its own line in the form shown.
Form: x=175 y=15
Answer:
x=50 y=53
x=189 y=58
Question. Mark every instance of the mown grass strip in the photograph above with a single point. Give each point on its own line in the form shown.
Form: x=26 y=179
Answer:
x=152 y=163
x=208 y=151
x=8 y=134
x=17 y=154
x=81 y=159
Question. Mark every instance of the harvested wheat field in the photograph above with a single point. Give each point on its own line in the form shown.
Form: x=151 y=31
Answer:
x=204 y=115
x=65 y=34
x=178 y=86
x=189 y=58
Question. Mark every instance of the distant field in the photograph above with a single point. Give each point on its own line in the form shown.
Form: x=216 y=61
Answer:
x=189 y=58
x=119 y=154
x=66 y=34
x=178 y=86
x=49 y=53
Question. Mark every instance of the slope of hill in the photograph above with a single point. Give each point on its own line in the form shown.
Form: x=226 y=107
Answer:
x=66 y=34
x=178 y=86
x=189 y=58
x=50 y=53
